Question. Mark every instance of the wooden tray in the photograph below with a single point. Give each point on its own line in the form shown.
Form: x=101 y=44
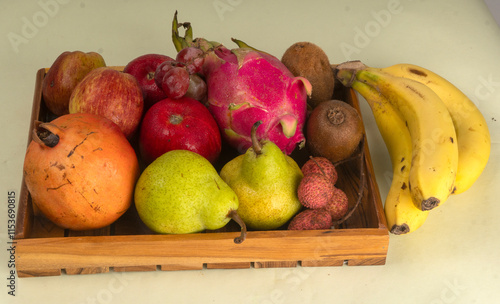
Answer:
x=44 y=249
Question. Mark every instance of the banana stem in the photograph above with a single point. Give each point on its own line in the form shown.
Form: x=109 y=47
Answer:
x=346 y=71
x=233 y=214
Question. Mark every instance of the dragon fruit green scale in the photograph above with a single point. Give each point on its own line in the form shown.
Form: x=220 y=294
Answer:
x=245 y=86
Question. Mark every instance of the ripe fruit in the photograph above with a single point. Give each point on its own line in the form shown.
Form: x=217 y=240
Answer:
x=173 y=124
x=309 y=61
x=245 y=86
x=265 y=181
x=197 y=88
x=181 y=192
x=315 y=190
x=334 y=130
x=320 y=165
x=143 y=68
x=175 y=82
x=112 y=94
x=66 y=72
x=311 y=219
x=192 y=57
x=162 y=69
x=338 y=205
x=80 y=171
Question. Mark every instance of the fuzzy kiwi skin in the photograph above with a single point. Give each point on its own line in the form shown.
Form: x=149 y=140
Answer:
x=309 y=61
x=333 y=130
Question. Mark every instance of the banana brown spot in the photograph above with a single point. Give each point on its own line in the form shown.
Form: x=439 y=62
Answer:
x=418 y=72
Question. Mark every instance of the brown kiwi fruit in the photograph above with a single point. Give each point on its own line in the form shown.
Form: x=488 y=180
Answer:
x=309 y=61
x=333 y=130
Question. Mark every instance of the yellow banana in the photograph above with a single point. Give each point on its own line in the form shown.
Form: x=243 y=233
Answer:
x=434 y=151
x=401 y=214
x=473 y=136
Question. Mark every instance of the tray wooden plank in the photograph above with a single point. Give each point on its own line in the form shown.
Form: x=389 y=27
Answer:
x=40 y=254
x=182 y=266
x=135 y=268
x=44 y=249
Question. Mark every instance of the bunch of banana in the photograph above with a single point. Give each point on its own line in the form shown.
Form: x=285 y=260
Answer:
x=437 y=139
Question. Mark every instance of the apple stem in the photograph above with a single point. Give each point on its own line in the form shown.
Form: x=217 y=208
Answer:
x=257 y=147
x=233 y=214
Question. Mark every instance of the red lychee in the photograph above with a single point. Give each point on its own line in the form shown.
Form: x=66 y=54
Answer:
x=311 y=219
x=338 y=205
x=320 y=165
x=315 y=191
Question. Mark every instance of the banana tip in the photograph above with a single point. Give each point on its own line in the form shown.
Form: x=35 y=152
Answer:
x=400 y=229
x=430 y=203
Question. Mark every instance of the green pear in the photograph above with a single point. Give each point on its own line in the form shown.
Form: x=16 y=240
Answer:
x=265 y=181
x=181 y=192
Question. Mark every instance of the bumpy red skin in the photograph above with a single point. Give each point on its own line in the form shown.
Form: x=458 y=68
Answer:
x=112 y=94
x=338 y=205
x=311 y=219
x=320 y=165
x=143 y=68
x=246 y=86
x=178 y=124
x=87 y=180
x=315 y=191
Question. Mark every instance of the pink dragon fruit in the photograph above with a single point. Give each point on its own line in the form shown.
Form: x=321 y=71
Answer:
x=245 y=86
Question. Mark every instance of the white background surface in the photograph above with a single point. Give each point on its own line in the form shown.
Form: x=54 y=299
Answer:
x=453 y=258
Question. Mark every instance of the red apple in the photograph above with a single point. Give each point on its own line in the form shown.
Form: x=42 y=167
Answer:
x=179 y=124
x=68 y=69
x=112 y=94
x=143 y=68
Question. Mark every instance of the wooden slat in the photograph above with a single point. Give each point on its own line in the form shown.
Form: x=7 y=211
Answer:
x=368 y=261
x=30 y=273
x=235 y=265
x=276 y=264
x=266 y=246
x=44 y=228
x=135 y=268
x=24 y=212
x=323 y=263
x=183 y=266
x=88 y=270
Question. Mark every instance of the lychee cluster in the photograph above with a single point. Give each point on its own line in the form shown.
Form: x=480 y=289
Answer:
x=323 y=201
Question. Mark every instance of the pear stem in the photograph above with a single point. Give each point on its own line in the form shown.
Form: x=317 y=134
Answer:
x=257 y=147
x=233 y=214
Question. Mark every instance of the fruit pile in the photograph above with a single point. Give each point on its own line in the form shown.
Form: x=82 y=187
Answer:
x=153 y=135
x=325 y=203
